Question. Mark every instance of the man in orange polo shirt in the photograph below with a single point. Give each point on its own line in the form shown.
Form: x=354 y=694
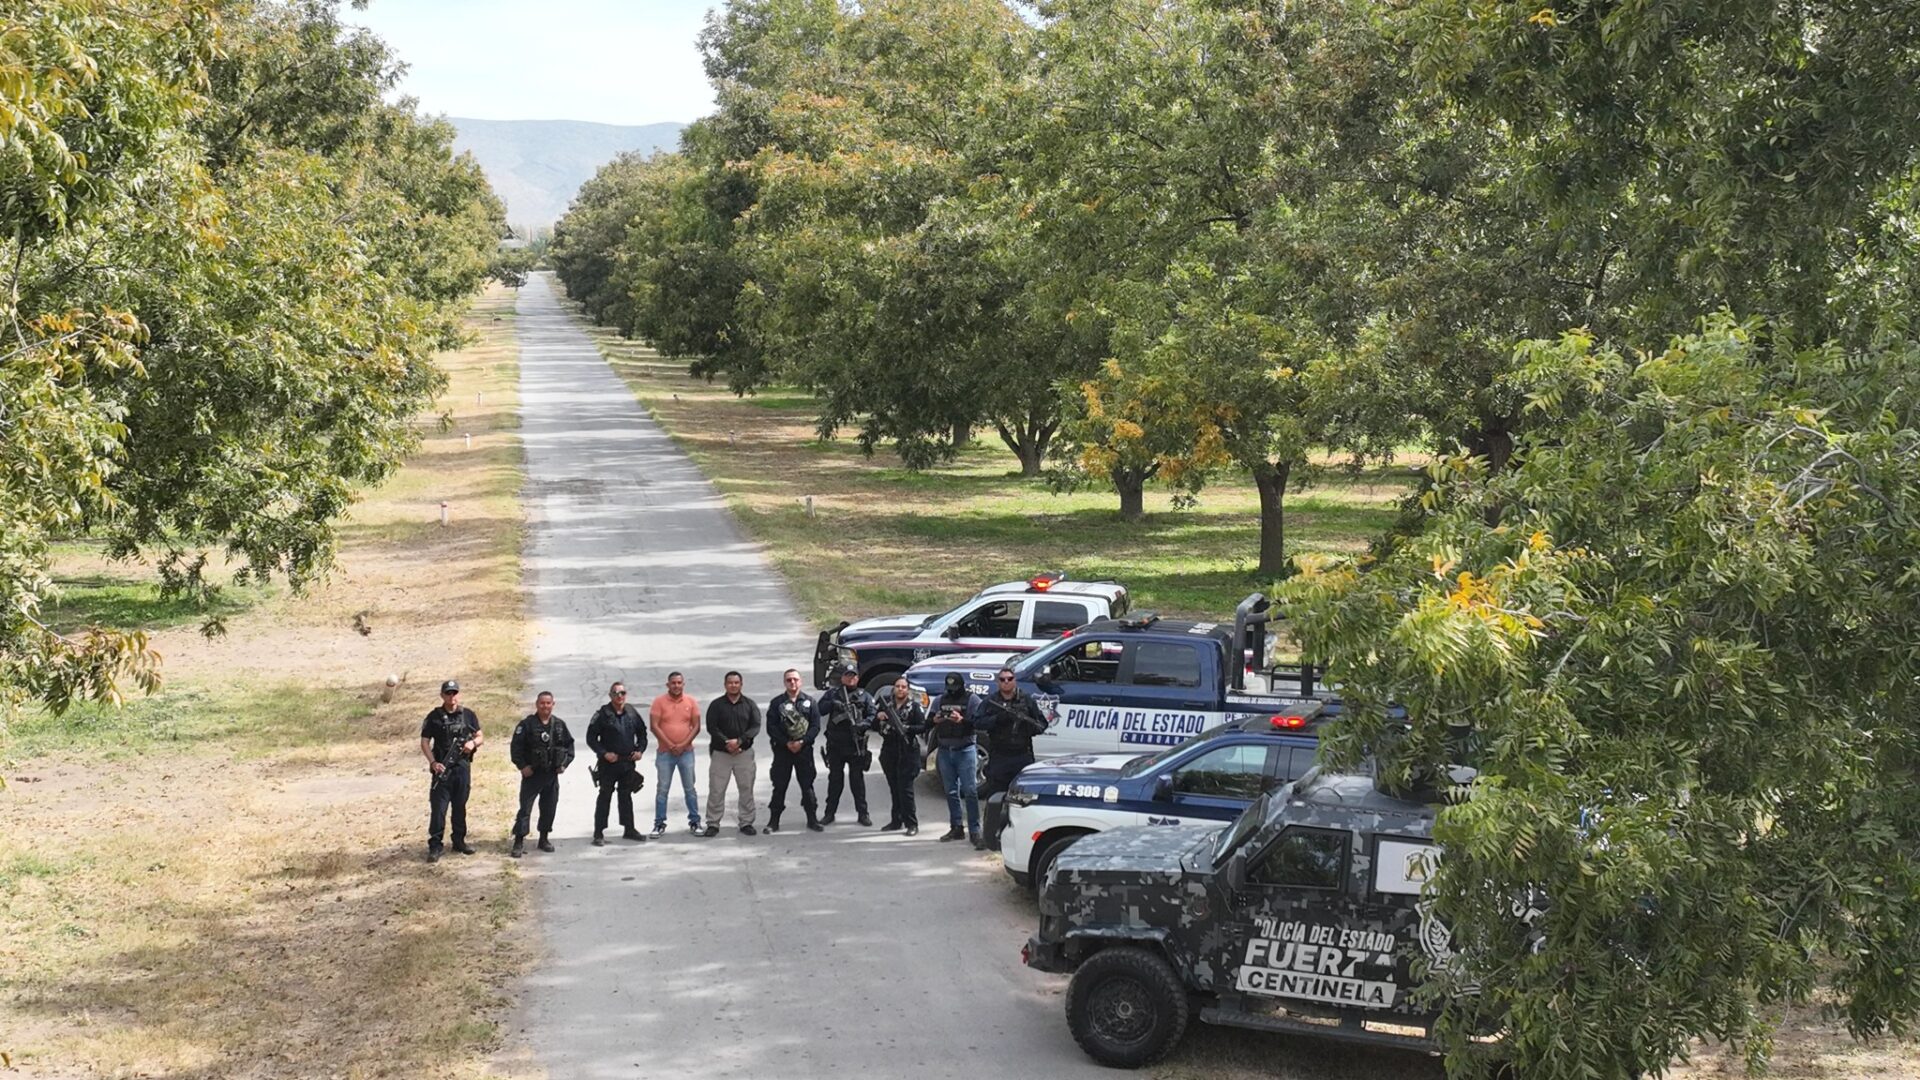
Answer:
x=675 y=720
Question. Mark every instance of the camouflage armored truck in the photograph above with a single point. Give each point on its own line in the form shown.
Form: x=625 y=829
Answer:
x=1302 y=917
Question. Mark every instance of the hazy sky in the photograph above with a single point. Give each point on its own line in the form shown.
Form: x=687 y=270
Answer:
x=614 y=61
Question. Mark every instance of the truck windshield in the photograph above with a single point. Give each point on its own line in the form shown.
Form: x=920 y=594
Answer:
x=1154 y=760
x=1243 y=826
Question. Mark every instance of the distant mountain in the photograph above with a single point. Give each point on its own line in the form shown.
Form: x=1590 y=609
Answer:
x=536 y=166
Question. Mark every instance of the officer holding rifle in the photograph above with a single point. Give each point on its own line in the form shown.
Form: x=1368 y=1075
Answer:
x=900 y=721
x=448 y=739
x=1010 y=719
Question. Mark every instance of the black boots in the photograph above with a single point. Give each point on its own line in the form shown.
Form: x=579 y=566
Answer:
x=955 y=833
x=545 y=844
x=519 y=847
x=865 y=820
x=599 y=838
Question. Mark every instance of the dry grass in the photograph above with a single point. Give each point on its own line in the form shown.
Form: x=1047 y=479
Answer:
x=884 y=539
x=227 y=879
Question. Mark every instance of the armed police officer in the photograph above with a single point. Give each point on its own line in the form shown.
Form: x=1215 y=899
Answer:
x=449 y=737
x=1009 y=718
x=900 y=720
x=849 y=717
x=958 y=756
x=541 y=749
x=617 y=735
x=793 y=723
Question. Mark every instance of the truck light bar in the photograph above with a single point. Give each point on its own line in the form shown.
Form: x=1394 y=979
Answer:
x=1287 y=722
x=1043 y=582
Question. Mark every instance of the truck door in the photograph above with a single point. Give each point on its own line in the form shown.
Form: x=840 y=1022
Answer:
x=1302 y=936
x=1079 y=698
x=1056 y=616
x=1167 y=693
x=1216 y=784
x=992 y=624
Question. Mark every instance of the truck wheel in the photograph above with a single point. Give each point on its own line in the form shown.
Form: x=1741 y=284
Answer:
x=880 y=679
x=1126 y=1007
x=1049 y=850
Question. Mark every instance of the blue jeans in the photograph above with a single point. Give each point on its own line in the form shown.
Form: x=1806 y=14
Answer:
x=959 y=770
x=665 y=765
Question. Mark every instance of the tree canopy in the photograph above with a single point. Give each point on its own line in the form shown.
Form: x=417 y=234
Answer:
x=229 y=263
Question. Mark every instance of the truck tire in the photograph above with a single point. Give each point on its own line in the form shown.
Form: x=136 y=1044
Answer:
x=1126 y=1007
x=1049 y=850
x=880 y=679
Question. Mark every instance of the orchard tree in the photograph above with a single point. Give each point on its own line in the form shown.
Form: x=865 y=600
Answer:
x=1681 y=637
x=228 y=265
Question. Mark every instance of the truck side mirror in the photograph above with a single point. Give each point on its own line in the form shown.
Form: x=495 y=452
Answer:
x=1163 y=788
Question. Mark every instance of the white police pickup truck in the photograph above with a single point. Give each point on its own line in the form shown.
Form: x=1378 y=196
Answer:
x=1010 y=618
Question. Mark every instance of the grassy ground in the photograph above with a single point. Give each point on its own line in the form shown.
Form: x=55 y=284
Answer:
x=226 y=878
x=882 y=538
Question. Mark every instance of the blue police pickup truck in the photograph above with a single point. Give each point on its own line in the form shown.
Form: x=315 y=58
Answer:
x=1134 y=684
x=1010 y=618
x=1206 y=780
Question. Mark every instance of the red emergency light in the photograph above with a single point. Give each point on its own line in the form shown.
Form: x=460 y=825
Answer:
x=1043 y=582
x=1287 y=723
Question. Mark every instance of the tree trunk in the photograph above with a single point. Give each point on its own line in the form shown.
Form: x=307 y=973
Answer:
x=1271 y=480
x=1029 y=442
x=1132 y=486
x=960 y=435
x=1492 y=440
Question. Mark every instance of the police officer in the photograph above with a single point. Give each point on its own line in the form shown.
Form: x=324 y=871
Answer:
x=849 y=716
x=541 y=749
x=900 y=721
x=448 y=739
x=1010 y=719
x=957 y=756
x=617 y=734
x=793 y=723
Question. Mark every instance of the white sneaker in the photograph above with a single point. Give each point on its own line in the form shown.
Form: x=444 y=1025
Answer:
x=659 y=831
x=696 y=828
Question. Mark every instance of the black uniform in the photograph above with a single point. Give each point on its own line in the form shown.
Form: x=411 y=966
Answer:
x=787 y=718
x=1009 y=727
x=849 y=716
x=624 y=733
x=900 y=727
x=450 y=788
x=547 y=749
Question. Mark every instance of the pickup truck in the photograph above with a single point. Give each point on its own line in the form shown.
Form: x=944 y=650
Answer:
x=1306 y=910
x=1205 y=781
x=1009 y=618
x=1140 y=682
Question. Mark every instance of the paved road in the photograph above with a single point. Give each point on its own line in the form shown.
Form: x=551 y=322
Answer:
x=797 y=955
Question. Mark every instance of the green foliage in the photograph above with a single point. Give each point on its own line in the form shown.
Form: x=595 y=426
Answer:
x=1682 y=637
x=228 y=266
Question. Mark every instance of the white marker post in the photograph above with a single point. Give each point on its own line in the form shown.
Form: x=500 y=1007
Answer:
x=443 y=514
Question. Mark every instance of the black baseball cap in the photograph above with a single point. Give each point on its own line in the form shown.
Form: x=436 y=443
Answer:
x=844 y=670
x=451 y=686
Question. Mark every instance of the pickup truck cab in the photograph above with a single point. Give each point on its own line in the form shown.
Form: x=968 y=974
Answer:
x=1306 y=909
x=1011 y=618
x=1140 y=682
x=1206 y=781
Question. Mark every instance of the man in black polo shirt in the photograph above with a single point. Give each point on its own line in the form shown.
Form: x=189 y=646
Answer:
x=448 y=739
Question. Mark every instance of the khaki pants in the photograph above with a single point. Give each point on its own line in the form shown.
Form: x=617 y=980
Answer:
x=721 y=767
